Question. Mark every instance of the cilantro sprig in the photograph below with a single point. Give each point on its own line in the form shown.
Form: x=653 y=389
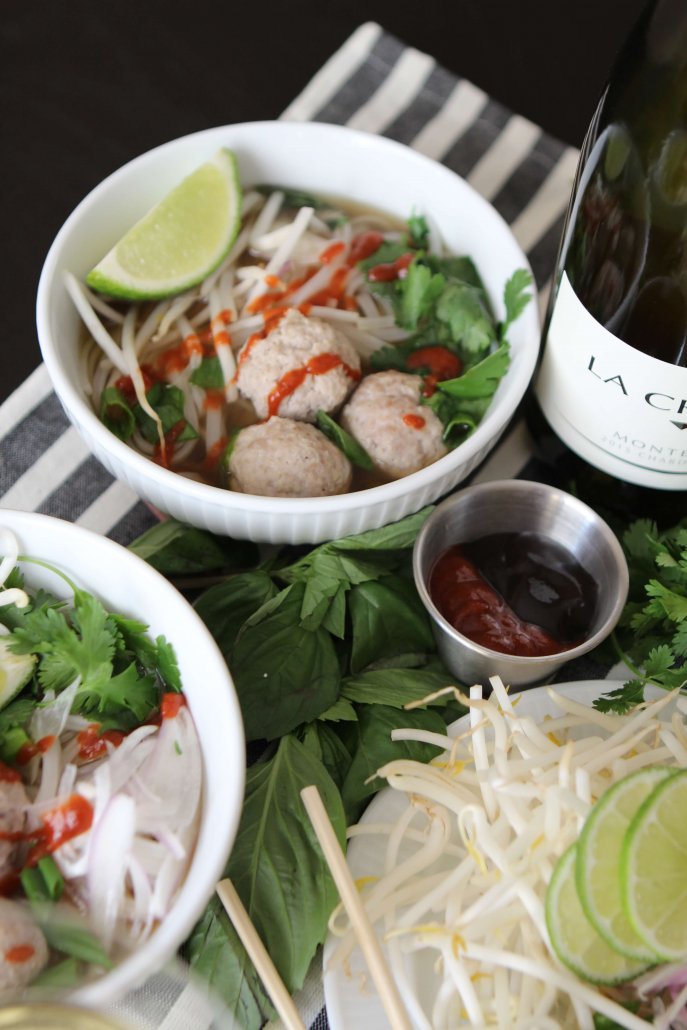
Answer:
x=651 y=637
x=442 y=301
x=121 y=672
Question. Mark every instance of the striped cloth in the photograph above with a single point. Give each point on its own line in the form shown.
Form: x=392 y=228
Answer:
x=374 y=83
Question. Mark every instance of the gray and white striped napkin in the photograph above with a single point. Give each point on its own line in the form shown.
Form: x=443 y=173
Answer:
x=373 y=83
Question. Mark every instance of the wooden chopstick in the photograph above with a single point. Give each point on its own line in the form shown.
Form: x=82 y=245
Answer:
x=360 y=922
x=274 y=985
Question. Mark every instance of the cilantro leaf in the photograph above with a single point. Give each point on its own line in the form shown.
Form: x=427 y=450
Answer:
x=462 y=308
x=482 y=379
x=418 y=231
x=167 y=665
x=118 y=667
x=651 y=636
x=622 y=699
x=515 y=297
x=16 y=713
x=461 y=403
x=131 y=638
x=125 y=700
x=83 y=648
x=420 y=289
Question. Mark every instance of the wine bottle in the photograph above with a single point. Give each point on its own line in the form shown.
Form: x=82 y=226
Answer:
x=609 y=404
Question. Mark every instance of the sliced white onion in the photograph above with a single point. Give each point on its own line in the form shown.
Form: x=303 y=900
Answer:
x=111 y=842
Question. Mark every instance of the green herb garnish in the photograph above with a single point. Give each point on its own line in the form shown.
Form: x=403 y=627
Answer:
x=651 y=637
x=121 y=671
x=326 y=646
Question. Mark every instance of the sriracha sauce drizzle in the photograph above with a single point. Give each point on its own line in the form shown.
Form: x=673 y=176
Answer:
x=515 y=593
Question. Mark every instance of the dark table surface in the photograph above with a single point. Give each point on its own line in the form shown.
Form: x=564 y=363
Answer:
x=86 y=86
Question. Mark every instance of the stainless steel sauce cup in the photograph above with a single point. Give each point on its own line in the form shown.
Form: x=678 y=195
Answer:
x=518 y=505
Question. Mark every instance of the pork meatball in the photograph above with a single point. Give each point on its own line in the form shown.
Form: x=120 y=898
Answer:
x=302 y=366
x=399 y=434
x=23 y=948
x=283 y=458
x=13 y=802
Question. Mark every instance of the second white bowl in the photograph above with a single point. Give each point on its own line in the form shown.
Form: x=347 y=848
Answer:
x=320 y=158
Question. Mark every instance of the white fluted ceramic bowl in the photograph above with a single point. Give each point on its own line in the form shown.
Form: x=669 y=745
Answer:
x=127 y=585
x=316 y=157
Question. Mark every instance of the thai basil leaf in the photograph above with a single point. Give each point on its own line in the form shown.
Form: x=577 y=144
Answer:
x=284 y=674
x=283 y=881
x=457 y=267
x=70 y=937
x=63 y=974
x=396 y=687
x=386 y=254
x=346 y=443
x=215 y=952
x=340 y=711
x=226 y=606
x=387 y=618
x=116 y=413
x=168 y=403
x=209 y=374
x=375 y=748
x=174 y=549
x=326 y=744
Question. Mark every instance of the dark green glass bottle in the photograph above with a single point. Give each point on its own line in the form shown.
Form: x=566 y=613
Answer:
x=608 y=409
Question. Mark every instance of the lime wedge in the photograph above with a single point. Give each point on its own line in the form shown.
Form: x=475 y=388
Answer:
x=597 y=868
x=574 y=939
x=653 y=869
x=15 y=672
x=180 y=241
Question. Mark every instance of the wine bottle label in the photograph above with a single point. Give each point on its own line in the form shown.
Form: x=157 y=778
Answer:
x=617 y=408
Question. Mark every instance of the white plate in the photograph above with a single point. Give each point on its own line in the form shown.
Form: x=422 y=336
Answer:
x=349 y=1002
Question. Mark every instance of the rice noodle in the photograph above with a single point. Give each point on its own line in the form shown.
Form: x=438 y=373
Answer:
x=266 y=218
x=79 y=295
x=283 y=257
x=462 y=874
x=296 y=229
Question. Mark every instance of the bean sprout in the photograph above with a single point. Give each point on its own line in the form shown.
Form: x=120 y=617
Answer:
x=459 y=881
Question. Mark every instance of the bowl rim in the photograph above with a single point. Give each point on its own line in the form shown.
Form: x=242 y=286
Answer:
x=198 y=884
x=524 y=486
x=489 y=428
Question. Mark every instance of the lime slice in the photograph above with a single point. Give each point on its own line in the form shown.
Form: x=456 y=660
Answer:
x=597 y=867
x=574 y=939
x=653 y=869
x=15 y=672
x=180 y=241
